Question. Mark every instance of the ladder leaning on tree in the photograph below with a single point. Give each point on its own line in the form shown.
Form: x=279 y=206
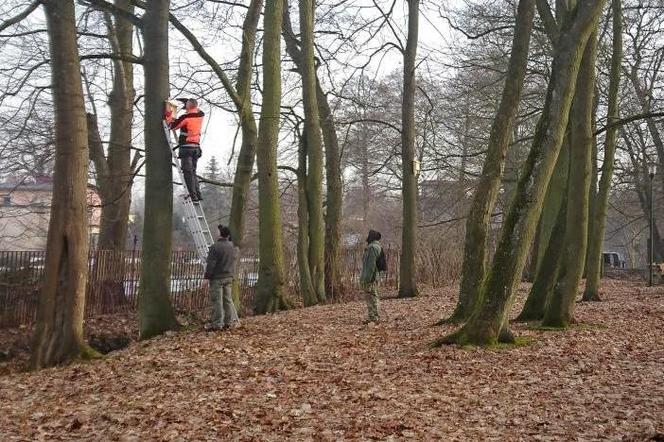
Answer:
x=194 y=216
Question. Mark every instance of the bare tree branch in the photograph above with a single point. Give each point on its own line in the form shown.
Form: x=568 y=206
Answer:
x=20 y=16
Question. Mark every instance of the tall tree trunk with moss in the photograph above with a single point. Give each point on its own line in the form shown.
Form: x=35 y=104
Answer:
x=552 y=232
x=307 y=291
x=594 y=177
x=116 y=193
x=560 y=308
x=245 y=161
x=325 y=124
x=598 y=222
x=407 y=266
x=486 y=193
x=495 y=300
x=59 y=332
x=333 y=195
x=155 y=312
x=314 y=151
x=270 y=288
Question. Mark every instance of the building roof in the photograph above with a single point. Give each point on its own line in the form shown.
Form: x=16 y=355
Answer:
x=23 y=186
x=34 y=186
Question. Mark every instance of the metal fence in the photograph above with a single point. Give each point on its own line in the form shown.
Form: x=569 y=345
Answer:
x=113 y=280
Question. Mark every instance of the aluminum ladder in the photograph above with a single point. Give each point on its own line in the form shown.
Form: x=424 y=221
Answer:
x=194 y=216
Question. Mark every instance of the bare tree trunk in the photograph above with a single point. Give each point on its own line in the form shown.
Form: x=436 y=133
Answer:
x=366 y=185
x=307 y=290
x=486 y=193
x=592 y=189
x=270 y=287
x=155 y=312
x=598 y=222
x=555 y=214
x=490 y=315
x=560 y=309
x=554 y=199
x=407 y=267
x=59 y=333
x=317 y=115
x=245 y=162
x=314 y=150
x=116 y=198
x=334 y=195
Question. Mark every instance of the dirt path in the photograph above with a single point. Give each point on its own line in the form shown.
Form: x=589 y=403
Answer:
x=317 y=374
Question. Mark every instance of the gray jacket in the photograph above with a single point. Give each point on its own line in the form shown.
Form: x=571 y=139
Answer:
x=221 y=260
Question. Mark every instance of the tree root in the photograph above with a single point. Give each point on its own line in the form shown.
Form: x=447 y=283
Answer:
x=591 y=297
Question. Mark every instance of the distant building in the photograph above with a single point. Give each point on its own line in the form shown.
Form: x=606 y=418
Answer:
x=25 y=211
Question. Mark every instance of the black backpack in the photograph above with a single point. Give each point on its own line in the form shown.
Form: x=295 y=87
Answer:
x=381 y=262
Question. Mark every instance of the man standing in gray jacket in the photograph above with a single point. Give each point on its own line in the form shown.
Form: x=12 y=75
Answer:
x=220 y=270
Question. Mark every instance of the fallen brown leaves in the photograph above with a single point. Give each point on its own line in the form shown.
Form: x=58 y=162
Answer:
x=317 y=374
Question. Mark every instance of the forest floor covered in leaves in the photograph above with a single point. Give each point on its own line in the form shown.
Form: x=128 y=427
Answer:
x=318 y=374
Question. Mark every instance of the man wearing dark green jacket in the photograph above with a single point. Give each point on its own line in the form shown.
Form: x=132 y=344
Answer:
x=369 y=275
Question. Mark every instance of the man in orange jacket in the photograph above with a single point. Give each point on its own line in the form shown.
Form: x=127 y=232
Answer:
x=189 y=142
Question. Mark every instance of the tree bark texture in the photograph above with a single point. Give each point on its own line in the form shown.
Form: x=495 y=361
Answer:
x=407 y=266
x=560 y=309
x=307 y=291
x=245 y=161
x=270 y=287
x=116 y=190
x=489 y=317
x=314 y=151
x=325 y=124
x=155 y=312
x=59 y=331
x=484 y=200
x=552 y=240
x=598 y=222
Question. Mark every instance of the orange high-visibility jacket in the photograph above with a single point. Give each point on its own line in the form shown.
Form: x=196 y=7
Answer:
x=190 y=125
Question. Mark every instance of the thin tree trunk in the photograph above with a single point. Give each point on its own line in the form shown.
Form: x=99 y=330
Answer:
x=598 y=221
x=59 y=332
x=486 y=193
x=116 y=199
x=155 y=312
x=334 y=195
x=245 y=162
x=317 y=108
x=367 y=194
x=270 y=287
x=592 y=190
x=407 y=267
x=314 y=151
x=307 y=290
x=494 y=303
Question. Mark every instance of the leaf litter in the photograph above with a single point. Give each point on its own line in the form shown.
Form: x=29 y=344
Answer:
x=318 y=374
